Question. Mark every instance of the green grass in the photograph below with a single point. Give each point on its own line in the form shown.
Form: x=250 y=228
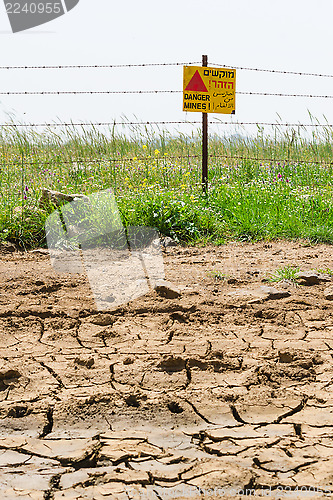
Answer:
x=156 y=179
x=217 y=275
x=326 y=270
x=286 y=273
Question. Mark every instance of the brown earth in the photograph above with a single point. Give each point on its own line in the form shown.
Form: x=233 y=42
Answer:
x=223 y=392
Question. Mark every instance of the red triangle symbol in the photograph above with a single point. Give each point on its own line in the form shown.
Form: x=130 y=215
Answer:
x=196 y=83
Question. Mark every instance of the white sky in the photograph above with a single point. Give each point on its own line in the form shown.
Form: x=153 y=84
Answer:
x=291 y=35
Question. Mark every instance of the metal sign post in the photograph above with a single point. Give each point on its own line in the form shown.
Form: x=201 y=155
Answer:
x=208 y=90
x=204 y=142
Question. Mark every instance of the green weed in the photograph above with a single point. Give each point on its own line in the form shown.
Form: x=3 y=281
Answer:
x=217 y=275
x=286 y=273
x=325 y=271
x=156 y=178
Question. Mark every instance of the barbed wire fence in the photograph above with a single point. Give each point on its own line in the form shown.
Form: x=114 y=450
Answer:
x=214 y=121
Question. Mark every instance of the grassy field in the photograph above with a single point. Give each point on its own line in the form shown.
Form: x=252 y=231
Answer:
x=280 y=187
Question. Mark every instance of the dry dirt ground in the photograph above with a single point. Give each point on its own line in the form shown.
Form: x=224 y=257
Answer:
x=222 y=392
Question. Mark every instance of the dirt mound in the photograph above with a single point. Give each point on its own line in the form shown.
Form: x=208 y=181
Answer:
x=223 y=391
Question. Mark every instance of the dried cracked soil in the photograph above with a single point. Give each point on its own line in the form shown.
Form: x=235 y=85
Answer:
x=223 y=392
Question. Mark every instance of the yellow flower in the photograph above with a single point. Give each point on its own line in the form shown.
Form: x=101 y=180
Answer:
x=135 y=158
x=144 y=147
x=157 y=152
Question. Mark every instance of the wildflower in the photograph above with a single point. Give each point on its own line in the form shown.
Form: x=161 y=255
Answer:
x=157 y=152
x=144 y=147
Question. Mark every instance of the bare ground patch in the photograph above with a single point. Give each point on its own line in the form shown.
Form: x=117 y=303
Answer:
x=221 y=390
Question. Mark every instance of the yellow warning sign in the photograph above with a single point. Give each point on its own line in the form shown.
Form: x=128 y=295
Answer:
x=209 y=90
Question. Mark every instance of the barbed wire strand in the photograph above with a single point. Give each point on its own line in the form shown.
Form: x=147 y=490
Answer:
x=298 y=73
x=90 y=92
x=98 y=66
x=286 y=95
x=110 y=66
x=217 y=122
x=273 y=160
x=94 y=92
x=77 y=161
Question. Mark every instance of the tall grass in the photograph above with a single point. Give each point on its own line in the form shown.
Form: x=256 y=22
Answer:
x=274 y=184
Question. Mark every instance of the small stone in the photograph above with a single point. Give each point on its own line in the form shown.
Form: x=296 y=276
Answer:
x=102 y=319
x=128 y=361
x=168 y=242
x=273 y=293
x=328 y=293
x=42 y=251
x=166 y=289
x=311 y=278
x=7 y=247
x=57 y=199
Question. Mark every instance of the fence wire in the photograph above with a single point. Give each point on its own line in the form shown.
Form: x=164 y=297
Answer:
x=157 y=123
x=99 y=66
x=109 y=92
x=110 y=66
x=164 y=158
x=298 y=73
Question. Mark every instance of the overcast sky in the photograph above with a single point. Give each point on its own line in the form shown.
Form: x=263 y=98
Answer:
x=290 y=35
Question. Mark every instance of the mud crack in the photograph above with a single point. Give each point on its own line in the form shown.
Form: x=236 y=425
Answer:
x=47 y=429
x=197 y=412
x=53 y=373
x=259 y=464
x=54 y=486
